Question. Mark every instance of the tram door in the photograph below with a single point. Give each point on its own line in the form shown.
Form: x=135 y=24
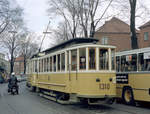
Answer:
x=73 y=71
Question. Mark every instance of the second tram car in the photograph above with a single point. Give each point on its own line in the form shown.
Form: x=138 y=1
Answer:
x=76 y=70
x=133 y=75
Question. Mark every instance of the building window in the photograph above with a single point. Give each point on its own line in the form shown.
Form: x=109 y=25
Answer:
x=145 y=36
x=104 y=40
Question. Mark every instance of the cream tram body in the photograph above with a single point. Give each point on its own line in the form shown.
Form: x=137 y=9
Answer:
x=84 y=71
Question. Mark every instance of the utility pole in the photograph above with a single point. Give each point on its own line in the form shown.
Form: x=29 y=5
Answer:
x=44 y=35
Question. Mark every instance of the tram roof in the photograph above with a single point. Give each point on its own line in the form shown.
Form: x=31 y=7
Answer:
x=67 y=44
x=134 y=51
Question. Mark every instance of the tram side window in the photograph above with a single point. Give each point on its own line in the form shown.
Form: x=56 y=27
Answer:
x=92 y=59
x=47 y=64
x=103 y=59
x=39 y=65
x=73 y=60
x=118 y=63
x=50 y=64
x=63 y=61
x=134 y=62
x=143 y=63
x=82 y=58
x=58 y=62
x=113 y=59
x=54 y=63
x=35 y=68
x=42 y=65
x=123 y=63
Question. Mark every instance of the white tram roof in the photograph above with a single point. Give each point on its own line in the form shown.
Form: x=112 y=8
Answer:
x=76 y=42
x=134 y=51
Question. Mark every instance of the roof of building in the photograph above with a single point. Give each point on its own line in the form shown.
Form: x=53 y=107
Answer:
x=114 y=25
x=67 y=44
x=145 y=25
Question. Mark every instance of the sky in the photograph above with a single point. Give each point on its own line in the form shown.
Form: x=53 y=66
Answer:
x=36 y=17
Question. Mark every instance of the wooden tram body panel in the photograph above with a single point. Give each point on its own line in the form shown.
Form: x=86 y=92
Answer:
x=83 y=85
x=139 y=82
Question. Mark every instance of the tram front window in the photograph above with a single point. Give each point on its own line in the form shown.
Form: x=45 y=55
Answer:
x=113 y=59
x=63 y=61
x=54 y=63
x=82 y=57
x=92 y=58
x=103 y=59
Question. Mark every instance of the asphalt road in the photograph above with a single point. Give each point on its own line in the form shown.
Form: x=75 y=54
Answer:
x=30 y=103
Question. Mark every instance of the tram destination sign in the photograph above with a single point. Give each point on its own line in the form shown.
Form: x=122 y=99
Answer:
x=122 y=78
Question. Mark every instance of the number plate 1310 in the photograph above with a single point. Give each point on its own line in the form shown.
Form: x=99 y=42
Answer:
x=104 y=86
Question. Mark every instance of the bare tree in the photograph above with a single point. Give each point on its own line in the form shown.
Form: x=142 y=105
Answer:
x=11 y=38
x=28 y=47
x=66 y=9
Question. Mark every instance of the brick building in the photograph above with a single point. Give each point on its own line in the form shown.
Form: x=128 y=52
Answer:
x=144 y=35
x=116 y=32
x=19 y=65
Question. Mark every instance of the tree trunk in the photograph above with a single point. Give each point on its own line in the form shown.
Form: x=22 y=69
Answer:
x=24 y=65
x=134 y=42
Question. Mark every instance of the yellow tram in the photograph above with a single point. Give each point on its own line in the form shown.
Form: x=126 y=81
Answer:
x=76 y=70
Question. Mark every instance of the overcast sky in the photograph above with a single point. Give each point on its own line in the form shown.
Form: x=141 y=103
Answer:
x=36 y=17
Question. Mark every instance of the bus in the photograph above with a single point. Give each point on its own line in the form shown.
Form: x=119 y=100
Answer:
x=133 y=75
x=78 y=70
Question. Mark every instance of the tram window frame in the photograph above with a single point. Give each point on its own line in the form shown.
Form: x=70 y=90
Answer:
x=35 y=66
x=103 y=60
x=62 y=61
x=113 y=59
x=47 y=64
x=82 y=65
x=92 y=65
x=54 y=63
x=50 y=62
x=118 y=63
x=58 y=62
x=74 y=60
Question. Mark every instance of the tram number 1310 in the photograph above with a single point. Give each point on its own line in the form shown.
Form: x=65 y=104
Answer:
x=104 y=86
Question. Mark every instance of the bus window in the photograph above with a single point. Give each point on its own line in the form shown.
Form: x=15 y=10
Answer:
x=50 y=64
x=54 y=63
x=103 y=59
x=73 y=60
x=118 y=63
x=123 y=63
x=82 y=58
x=62 y=61
x=58 y=62
x=113 y=59
x=143 y=64
x=92 y=63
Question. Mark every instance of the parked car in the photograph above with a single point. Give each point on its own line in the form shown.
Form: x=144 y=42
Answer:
x=19 y=78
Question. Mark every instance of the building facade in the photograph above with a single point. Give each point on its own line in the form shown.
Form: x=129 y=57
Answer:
x=116 y=32
x=19 y=65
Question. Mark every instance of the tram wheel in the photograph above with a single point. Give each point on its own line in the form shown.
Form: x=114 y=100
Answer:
x=127 y=96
